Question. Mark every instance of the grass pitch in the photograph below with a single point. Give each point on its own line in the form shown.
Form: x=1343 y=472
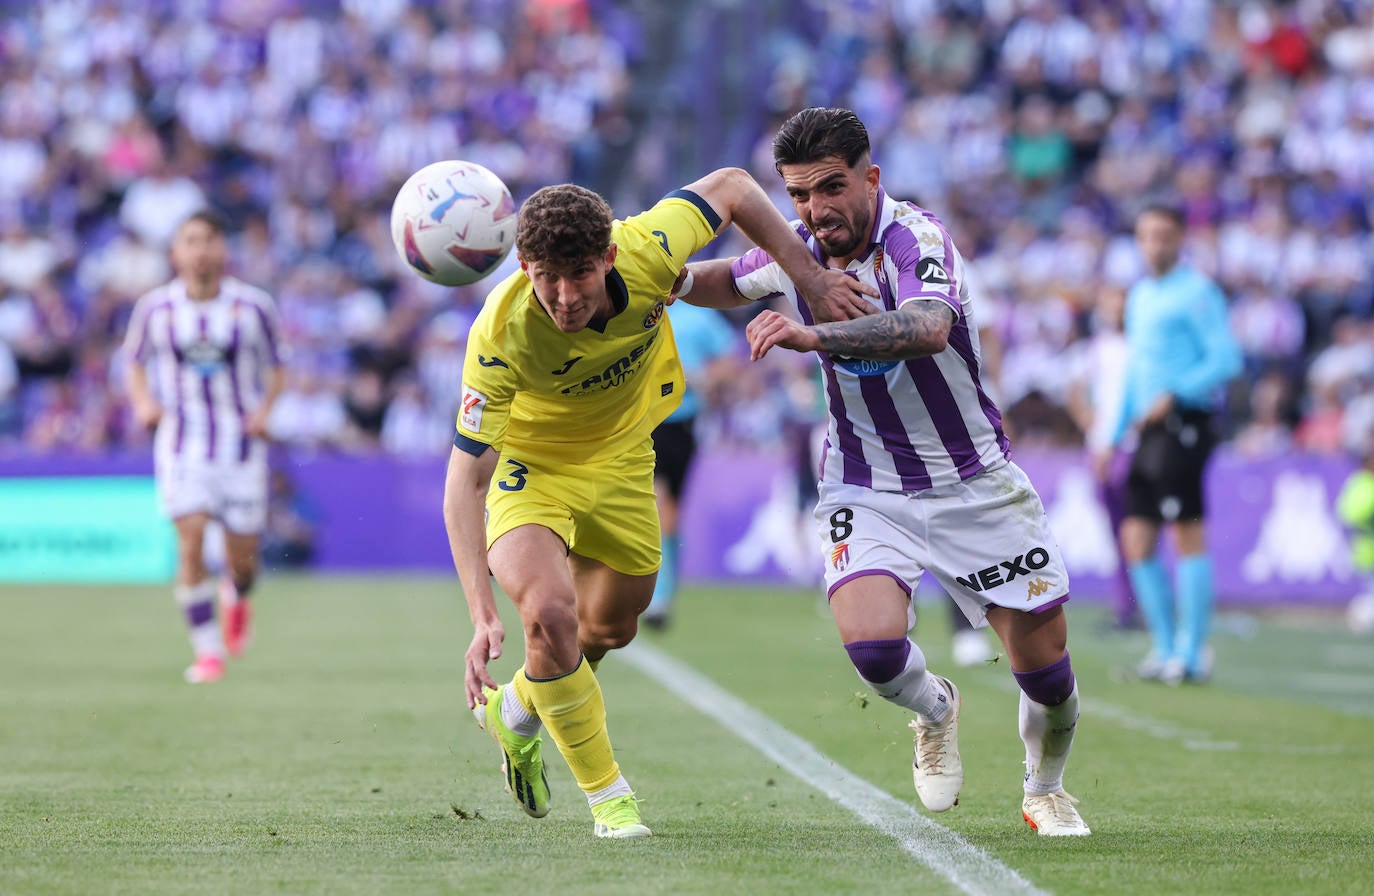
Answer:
x=338 y=758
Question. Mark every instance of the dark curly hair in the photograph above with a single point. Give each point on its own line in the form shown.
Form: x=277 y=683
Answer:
x=819 y=133
x=562 y=225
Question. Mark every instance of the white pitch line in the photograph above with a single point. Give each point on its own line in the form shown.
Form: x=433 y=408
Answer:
x=941 y=850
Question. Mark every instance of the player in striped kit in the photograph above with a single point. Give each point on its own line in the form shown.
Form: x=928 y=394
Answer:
x=204 y=366
x=916 y=472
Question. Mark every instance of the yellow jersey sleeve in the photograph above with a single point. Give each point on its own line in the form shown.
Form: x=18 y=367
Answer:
x=489 y=387
x=658 y=242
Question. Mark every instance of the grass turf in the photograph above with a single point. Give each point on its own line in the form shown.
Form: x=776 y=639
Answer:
x=338 y=758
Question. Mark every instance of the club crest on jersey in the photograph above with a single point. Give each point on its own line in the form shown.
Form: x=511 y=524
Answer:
x=839 y=556
x=651 y=319
x=470 y=417
x=878 y=270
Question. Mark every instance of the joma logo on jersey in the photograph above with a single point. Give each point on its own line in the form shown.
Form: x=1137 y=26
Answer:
x=1036 y=588
x=983 y=579
x=616 y=373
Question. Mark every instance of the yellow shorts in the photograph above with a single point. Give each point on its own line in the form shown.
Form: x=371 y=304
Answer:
x=604 y=511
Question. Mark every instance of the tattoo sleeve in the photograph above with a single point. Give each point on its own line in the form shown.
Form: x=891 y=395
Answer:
x=915 y=330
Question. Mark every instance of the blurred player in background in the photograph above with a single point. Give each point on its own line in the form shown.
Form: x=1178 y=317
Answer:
x=1098 y=408
x=1180 y=354
x=570 y=366
x=204 y=367
x=1355 y=506
x=705 y=341
x=915 y=473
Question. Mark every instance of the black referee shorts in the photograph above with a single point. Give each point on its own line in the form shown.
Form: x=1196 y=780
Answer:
x=1165 y=480
x=675 y=444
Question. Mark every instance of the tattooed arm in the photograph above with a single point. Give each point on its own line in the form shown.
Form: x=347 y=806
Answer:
x=915 y=330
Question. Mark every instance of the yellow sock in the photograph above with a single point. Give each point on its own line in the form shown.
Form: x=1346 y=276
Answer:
x=574 y=714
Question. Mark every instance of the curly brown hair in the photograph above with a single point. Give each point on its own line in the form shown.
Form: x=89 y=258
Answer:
x=562 y=225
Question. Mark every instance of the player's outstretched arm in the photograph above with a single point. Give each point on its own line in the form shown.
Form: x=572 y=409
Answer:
x=708 y=284
x=465 y=496
x=146 y=409
x=915 y=330
x=738 y=199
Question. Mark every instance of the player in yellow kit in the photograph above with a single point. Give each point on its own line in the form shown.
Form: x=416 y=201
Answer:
x=570 y=366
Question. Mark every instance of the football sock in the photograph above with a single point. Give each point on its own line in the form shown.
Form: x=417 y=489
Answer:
x=197 y=604
x=574 y=712
x=1048 y=716
x=515 y=715
x=1152 y=592
x=899 y=667
x=666 y=586
x=1193 y=578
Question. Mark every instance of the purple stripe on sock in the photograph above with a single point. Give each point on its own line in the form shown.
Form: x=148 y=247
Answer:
x=199 y=613
x=1049 y=686
x=879 y=661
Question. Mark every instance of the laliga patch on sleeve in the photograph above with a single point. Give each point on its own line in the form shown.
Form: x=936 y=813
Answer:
x=928 y=270
x=473 y=403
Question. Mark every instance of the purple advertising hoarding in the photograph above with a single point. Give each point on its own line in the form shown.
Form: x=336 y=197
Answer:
x=1271 y=526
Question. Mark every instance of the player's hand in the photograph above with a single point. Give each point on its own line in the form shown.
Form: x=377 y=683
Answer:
x=255 y=424
x=677 y=284
x=1102 y=463
x=770 y=328
x=835 y=295
x=1161 y=408
x=148 y=414
x=485 y=647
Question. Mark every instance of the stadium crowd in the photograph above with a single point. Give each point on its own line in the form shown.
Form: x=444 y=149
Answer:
x=1035 y=128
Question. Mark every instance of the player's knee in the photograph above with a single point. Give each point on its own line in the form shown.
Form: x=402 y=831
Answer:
x=878 y=662
x=607 y=636
x=549 y=622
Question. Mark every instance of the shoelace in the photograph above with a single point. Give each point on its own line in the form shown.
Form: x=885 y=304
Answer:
x=932 y=746
x=620 y=811
x=1062 y=804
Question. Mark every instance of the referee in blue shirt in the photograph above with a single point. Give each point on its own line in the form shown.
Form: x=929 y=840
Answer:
x=1181 y=353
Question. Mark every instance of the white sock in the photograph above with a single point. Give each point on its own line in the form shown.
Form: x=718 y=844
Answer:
x=1047 y=732
x=515 y=716
x=915 y=689
x=618 y=787
x=197 y=604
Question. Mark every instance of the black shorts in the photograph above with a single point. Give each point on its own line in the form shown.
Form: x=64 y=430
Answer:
x=1165 y=481
x=675 y=444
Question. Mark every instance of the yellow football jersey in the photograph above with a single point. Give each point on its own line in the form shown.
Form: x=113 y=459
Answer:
x=529 y=389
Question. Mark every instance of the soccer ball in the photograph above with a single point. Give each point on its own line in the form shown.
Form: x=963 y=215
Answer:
x=453 y=222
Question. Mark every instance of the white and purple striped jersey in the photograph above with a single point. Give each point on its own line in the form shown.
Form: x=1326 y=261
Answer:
x=900 y=425
x=206 y=362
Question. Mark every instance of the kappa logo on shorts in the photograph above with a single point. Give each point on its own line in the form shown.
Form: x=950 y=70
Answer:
x=991 y=577
x=839 y=556
x=471 y=416
x=1036 y=588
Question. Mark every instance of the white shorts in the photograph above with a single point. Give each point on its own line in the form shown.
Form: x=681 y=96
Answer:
x=233 y=493
x=987 y=541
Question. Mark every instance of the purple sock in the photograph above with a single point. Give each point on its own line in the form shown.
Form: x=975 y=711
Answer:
x=199 y=613
x=1049 y=686
x=879 y=661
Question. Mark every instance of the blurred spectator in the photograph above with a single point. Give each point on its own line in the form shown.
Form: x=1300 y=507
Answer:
x=1037 y=129
x=289 y=538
